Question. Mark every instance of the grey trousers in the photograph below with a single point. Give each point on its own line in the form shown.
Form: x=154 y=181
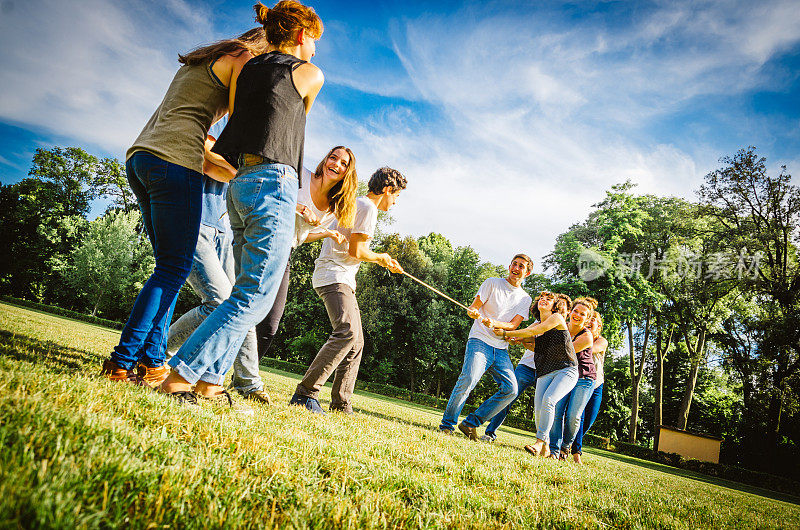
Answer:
x=341 y=353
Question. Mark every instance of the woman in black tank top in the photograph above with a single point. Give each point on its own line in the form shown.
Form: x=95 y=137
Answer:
x=556 y=364
x=570 y=408
x=264 y=137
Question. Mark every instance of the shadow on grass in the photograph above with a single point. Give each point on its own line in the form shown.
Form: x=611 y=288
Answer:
x=56 y=357
x=708 y=479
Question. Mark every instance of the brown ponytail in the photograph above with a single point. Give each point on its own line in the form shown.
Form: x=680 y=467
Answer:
x=285 y=20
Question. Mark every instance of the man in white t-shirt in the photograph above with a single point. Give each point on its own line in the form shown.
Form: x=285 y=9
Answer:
x=334 y=280
x=501 y=303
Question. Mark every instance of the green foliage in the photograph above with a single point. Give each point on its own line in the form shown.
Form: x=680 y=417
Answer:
x=111 y=262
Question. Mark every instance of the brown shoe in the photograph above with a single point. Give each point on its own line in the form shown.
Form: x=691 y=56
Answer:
x=152 y=377
x=469 y=431
x=114 y=372
x=259 y=396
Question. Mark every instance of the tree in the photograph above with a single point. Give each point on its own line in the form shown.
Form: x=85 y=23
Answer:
x=759 y=220
x=111 y=258
x=72 y=170
x=110 y=181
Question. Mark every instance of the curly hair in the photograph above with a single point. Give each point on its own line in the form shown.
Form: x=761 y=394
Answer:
x=386 y=176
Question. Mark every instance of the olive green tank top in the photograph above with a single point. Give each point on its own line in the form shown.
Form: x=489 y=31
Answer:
x=176 y=131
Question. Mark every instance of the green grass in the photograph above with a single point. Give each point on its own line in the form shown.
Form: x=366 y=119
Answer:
x=79 y=451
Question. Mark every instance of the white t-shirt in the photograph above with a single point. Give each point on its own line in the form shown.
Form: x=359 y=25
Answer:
x=335 y=264
x=599 y=362
x=527 y=359
x=501 y=301
x=301 y=226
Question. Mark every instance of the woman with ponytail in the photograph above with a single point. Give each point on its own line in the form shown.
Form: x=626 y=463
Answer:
x=165 y=167
x=264 y=139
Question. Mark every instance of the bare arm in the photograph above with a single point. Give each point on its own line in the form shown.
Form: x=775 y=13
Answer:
x=214 y=165
x=327 y=232
x=554 y=321
x=507 y=326
x=308 y=79
x=232 y=66
x=359 y=249
x=582 y=342
x=473 y=308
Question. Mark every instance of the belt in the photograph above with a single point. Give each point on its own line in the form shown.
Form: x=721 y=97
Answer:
x=246 y=159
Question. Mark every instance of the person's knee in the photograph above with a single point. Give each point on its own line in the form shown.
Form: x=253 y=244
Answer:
x=509 y=388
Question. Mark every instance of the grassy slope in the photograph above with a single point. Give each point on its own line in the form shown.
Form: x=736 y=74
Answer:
x=80 y=451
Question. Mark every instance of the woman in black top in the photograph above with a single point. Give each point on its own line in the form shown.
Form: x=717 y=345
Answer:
x=264 y=138
x=570 y=408
x=556 y=364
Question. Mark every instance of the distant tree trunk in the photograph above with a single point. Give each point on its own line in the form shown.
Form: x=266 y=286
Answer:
x=661 y=353
x=636 y=374
x=696 y=353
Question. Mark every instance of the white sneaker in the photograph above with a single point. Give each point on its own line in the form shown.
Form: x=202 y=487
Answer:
x=486 y=438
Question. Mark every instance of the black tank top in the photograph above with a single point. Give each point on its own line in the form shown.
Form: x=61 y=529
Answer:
x=269 y=116
x=553 y=351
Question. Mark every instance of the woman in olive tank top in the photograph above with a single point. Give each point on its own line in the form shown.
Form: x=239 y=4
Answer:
x=165 y=168
x=264 y=138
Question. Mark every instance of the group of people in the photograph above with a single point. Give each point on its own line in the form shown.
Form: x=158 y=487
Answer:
x=223 y=208
x=563 y=361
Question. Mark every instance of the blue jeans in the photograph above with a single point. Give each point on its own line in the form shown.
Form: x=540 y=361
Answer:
x=568 y=415
x=479 y=358
x=526 y=377
x=169 y=197
x=589 y=415
x=261 y=203
x=212 y=279
x=550 y=388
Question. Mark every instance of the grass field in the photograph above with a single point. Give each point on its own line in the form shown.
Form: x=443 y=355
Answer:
x=78 y=451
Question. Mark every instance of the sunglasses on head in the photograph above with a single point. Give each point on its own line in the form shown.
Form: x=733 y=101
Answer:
x=546 y=294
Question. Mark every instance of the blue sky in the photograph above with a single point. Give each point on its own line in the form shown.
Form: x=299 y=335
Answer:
x=509 y=119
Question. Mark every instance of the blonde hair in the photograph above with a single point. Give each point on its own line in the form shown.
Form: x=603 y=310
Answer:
x=285 y=20
x=587 y=301
x=342 y=196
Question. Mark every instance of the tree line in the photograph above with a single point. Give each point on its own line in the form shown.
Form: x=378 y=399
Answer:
x=701 y=299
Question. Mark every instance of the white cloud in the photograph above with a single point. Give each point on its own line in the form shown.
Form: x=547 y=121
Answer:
x=542 y=124
x=92 y=70
x=541 y=116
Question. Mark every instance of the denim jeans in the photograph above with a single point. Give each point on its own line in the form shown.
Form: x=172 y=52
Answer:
x=261 y=203
x=568 y=415
x=212 y=279
x=170 y=198
x=550 y=388
x=526 y=377
x=589 y=415
x=479 y=358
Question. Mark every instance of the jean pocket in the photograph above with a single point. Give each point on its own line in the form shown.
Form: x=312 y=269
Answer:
x=244 y=193
x=156 y=174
